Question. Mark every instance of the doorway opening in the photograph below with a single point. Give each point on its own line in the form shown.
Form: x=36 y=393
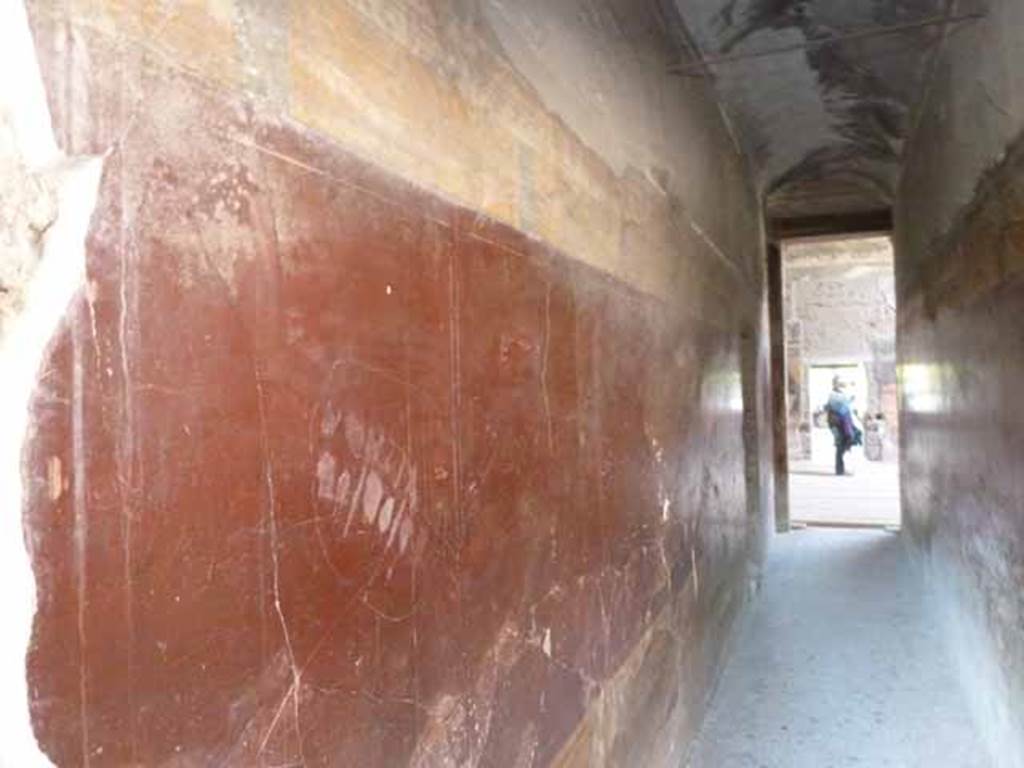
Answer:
x=839 y=320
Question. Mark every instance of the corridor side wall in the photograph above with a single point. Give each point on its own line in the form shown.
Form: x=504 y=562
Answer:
x=960 y=275
x=411 y=410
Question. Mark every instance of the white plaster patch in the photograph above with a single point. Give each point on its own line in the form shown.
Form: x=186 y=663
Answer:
x=696 y=576
x=342 y=487
x=325 y=472
x=54 y=478
x=23 y=98
x=372 y=496
x=355 y=434
x=59 y=273
x=330 y=422
x=404 y=535
x=384 y=519
x=372 y=485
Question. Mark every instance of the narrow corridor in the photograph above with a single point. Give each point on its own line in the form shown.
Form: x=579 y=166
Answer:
x=422 y=384
x=839 y=663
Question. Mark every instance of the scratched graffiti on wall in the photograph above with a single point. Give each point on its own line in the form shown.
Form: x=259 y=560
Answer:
x=365 y=484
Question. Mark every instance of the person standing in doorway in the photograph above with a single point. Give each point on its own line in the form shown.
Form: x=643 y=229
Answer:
x=840 y=420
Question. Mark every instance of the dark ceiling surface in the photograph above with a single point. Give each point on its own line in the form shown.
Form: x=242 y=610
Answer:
x=824 y=122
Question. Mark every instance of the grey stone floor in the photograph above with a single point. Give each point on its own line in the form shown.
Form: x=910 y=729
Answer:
x=838 y=663
x=871 y=496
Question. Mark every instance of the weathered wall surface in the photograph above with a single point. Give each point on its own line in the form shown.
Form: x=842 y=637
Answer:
x=400 y=418
x=960 y=263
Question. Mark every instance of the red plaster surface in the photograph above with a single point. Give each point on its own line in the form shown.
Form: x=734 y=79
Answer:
x=962 y=355
x=349 y=475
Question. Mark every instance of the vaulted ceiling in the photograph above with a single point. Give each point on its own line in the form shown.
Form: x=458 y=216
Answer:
x=821 y=92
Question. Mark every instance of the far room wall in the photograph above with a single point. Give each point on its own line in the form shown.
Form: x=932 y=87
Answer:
x=840 y=310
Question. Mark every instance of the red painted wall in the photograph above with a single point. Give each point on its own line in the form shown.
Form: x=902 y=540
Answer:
x=962 y=360
x=327 y=470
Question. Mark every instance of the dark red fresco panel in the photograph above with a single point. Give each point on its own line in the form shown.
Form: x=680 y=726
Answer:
x=351 y=476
